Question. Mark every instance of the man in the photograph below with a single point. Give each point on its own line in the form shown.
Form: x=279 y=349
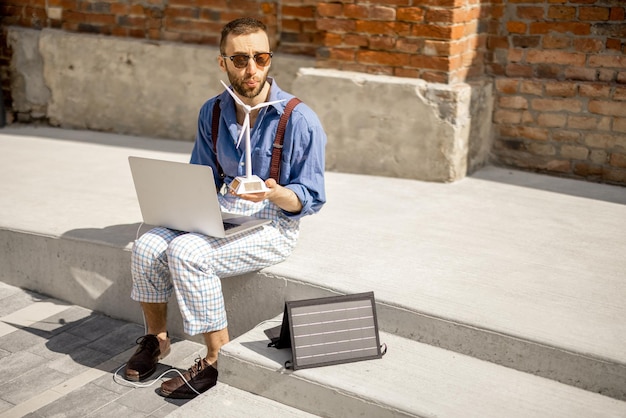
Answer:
x=190 y=265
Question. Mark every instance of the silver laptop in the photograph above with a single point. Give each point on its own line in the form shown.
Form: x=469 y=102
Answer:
x=182 y=196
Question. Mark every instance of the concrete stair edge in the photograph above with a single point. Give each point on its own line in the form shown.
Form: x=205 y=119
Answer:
x=411 y=380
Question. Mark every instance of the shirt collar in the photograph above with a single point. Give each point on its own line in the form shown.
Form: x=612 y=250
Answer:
x=276 y=93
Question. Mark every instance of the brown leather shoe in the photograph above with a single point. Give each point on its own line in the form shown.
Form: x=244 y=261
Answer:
x=144 y=361
x=201 y=376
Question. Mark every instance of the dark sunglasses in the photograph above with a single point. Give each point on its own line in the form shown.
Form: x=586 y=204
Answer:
x=241 y=60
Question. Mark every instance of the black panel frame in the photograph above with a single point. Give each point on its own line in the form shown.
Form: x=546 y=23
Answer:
x=284 y=336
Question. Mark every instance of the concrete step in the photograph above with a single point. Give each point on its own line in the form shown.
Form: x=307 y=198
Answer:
x=411 y=380
x=504 y=266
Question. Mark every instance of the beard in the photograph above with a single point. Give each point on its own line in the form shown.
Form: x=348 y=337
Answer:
x=240 y=87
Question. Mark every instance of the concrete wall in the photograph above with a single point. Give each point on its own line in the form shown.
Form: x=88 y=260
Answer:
x=381 y=125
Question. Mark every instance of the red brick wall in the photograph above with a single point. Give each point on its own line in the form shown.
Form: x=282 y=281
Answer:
x=560 y=77
x=436 y=40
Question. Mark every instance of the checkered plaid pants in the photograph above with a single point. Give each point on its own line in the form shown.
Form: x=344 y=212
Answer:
x=191 y=265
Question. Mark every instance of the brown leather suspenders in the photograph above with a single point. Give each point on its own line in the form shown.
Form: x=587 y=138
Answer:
x=278 y=140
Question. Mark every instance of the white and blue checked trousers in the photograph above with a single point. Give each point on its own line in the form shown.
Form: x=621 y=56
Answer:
x=191 y=265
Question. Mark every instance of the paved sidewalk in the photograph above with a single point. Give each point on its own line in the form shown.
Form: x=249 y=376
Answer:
x=59 y=360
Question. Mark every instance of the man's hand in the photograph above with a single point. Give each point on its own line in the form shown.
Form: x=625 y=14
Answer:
x=283 y=197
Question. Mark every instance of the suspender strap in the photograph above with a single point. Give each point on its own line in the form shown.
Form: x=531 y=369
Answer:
x=280 y=136
x=278 y=140
x=215 y=125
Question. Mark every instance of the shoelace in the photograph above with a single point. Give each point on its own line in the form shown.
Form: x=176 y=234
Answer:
x=146 y=343
x=196 y=368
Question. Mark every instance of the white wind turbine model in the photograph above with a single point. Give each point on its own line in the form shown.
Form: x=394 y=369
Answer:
x=250 y=183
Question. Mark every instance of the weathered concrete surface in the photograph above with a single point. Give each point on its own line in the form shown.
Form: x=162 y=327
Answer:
x=28 y=88
x=380 y=125
x=126 y=86
x=396 y=127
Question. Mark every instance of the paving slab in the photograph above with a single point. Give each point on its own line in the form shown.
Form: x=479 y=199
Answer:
x=69 y=369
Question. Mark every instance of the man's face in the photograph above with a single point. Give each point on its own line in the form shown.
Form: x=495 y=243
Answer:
x=250 y=80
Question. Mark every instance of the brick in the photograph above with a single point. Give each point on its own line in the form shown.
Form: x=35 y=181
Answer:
x=530 y=12
x=600 y=140
x=606 y=75
x=410 y=45
x=588 y=45
x=516 y=27
x=515 y=55
x=532 y=132
x=595 y=90
x=582 y=122
x=518 y=70
x=576 y=28
x=558 y=166
x=522 y=41
x=385 y=43
x=341 y=54
x=336 y=25
x=605 y=123
x=350 y=39
x=574 y=152
x=330 y=9
x=616 y=61
x=306 y=12
x=561 y=12
x=551 y=120
x=585 y=169
x=513 y=102
x=619 y=93
x=507 y=85
x=593 y=13
x=619 y=125
x=614 y=175
x=437 y=32
x=432 y=63
x=598 y=157
x=334 y=39
x=561 y=88
x=555 y=57
x=617 y=160
x=531 y=87
x=556 y=41
x=541 y=149
x=381 y=57
x=607 y=108
x=410 y=14
x=609 y=29
x=382 y=13
x=617 y=13
x=383 y=28
x=356 y=11
x=568 y=105
x=562 y=135
x=502 y=116
x=615 y=44
x=406 y=72
x=581 y=74
x=435 y=76
x=494 y=42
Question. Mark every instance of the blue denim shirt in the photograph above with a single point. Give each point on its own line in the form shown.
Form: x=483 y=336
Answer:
x=303 y=155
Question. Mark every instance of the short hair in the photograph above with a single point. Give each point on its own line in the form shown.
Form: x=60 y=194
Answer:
x=241 y=26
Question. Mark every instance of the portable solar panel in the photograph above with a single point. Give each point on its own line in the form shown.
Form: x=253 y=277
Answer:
x=330 y=330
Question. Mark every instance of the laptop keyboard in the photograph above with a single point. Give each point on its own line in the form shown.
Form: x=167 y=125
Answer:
x=228 y=225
